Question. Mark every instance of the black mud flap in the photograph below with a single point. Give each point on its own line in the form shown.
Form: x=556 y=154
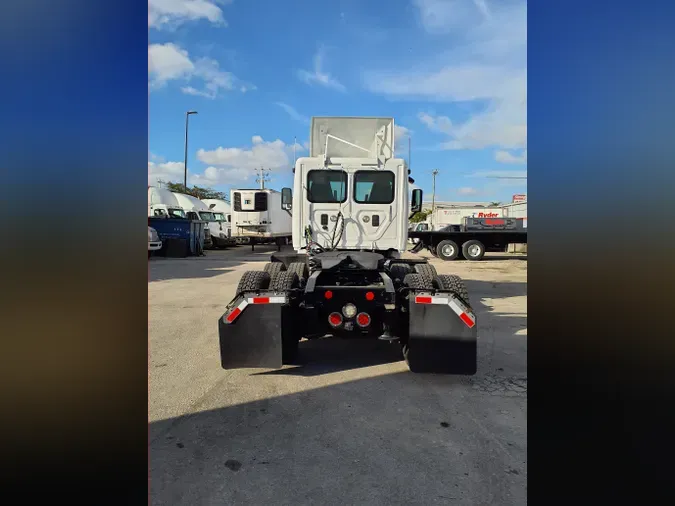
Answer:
x=442 y=335
x=251 y=331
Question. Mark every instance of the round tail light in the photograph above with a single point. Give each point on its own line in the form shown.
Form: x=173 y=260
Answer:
x=370 y=295
x=335 y=319
x=363 y=319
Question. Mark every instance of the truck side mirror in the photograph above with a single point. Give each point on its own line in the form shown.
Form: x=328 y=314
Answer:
x=416 y=203
x=286 y=199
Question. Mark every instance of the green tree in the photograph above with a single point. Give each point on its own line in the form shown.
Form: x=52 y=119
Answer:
x=421 y=216
x=195 y=191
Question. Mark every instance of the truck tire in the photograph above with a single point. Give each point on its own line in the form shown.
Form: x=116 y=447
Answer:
x=273 y=268
x=473 y=250
x=300 y=268
x=426 y=270
x=253 y=280
x=418 y=282
x=453 y=283
x=284 y=281
x=447 y=250
x=398 y=272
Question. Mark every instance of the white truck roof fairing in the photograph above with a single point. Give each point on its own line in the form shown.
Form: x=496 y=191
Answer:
x=190 y=203
x=159 y=196
x=219 y=205
x=366 y=140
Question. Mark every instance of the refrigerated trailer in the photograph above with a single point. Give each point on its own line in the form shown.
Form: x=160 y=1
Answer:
x=257 y=217
x=345 y=277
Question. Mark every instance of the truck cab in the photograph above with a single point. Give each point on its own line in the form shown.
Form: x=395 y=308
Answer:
x=350 y=193
x=163 y=204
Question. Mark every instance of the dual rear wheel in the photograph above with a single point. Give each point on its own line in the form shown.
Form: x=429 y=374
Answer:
x=449 y=250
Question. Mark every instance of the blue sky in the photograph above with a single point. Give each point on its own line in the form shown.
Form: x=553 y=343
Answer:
x=452 y=73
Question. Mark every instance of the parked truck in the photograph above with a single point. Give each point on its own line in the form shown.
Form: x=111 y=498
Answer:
x=163 y=204
x=222 y=213
x=345 y=276
x=472 y=239
x=196 y=209
x=257 y=217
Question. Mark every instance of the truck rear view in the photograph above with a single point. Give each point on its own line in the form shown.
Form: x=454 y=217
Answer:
x=346 y=277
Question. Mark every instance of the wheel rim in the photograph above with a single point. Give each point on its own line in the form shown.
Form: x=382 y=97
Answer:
x=474 y=250
x=448 y=250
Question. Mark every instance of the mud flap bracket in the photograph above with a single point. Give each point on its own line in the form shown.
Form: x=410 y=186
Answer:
x=252 y=329
x=442 y=334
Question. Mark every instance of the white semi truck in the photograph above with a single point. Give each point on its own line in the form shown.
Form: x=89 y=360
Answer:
x=257 y=217
x=198 y=210
x=222 y=213
x=345 y=276
x=163 y=204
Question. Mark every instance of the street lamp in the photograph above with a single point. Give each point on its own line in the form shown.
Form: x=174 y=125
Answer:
x=187 y=116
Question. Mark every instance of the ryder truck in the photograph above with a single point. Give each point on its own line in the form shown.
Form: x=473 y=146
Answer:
x=345 y=276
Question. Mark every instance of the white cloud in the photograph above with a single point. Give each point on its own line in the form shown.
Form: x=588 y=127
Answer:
x=506 y=157
x=401 y=135
x=164 y=171
x=480 y=56
x=293 y=113
x=169 y=14
x=318 y=76
x=169 y=62
x=227 y=165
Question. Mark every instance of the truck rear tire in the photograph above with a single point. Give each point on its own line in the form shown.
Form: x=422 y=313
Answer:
x=253 y=280
x=453 y=283
x=284 y=281
x=273 y=268
x=398 y=272
x=447 y=250
x=426 y=270
x=300 y=268
x=418 y=282
x=473 y=250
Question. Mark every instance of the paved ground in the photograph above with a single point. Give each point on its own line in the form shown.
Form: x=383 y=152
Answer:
x=352 y=426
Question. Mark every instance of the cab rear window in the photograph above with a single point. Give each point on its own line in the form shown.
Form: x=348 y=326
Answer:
x=327 y=186
x=373 y=187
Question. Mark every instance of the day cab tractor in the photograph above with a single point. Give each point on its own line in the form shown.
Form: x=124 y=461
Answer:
x=345 y=277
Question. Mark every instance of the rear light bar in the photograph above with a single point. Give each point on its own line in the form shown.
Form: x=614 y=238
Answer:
x=235 y=312
x=455 y=304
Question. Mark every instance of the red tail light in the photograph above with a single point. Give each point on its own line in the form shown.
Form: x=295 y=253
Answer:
x=370 y=295
x=335 y=319
x=328 y=294
x=363 y=319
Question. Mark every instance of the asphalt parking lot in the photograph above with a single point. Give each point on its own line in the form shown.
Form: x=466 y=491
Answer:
x=350 y=426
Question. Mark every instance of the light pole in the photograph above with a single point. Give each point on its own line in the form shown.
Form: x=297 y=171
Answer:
x=187 y=116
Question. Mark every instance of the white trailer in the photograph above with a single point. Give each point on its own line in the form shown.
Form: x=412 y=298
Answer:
x=257 y=216
x=443 y=217
x=163 y=204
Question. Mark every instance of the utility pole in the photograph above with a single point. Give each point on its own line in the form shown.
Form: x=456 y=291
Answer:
x=262 y=177
x=187 y=117
x=434 y=173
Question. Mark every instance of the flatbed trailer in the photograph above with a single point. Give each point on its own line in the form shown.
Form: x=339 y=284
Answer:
x=472 y=239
